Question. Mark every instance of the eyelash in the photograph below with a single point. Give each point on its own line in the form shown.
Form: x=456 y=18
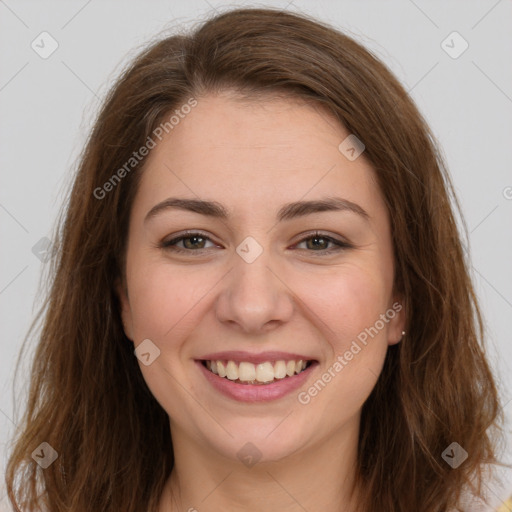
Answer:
x=171 y=244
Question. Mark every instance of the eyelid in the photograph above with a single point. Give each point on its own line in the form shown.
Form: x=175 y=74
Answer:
x=189 y=233
x=339 y=243
x=321 y=234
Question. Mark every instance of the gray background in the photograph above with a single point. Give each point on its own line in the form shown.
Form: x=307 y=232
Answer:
x=47 y=107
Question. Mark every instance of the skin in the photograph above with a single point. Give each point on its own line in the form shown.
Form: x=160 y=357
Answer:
x=253 y=157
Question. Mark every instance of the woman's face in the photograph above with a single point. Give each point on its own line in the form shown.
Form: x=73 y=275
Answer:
x=267 y=276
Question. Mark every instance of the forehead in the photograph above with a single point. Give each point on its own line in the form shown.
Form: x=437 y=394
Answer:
x=248 y=151
x=228 y=127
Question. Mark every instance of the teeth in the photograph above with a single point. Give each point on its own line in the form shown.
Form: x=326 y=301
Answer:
x=221 y=369
x=290 y=368
x=256 y=373
x=280 y=370
x=246 y=372
x=265 y=372
x=232 y=370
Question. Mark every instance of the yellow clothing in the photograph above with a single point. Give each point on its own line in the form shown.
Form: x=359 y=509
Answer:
x=507 y=506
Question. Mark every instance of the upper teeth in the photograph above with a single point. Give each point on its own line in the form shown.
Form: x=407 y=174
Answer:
x=262 y=372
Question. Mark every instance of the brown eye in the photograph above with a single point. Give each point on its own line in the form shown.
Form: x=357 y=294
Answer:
x=193 y=242
x=190 y=242
x=317 y=242
x=322 y=243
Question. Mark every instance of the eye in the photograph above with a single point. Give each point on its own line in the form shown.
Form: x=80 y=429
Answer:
x=195 y=241
x=191 y=242
x=318 y=242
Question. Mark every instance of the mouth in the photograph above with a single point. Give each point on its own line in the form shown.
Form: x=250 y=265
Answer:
x=256 y=378
x=261 y=374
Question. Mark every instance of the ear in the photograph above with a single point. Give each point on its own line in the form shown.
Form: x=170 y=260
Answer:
x=397 y=315
x=126 y=312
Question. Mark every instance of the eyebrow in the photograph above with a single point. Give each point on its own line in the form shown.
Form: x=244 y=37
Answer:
x=287 y=212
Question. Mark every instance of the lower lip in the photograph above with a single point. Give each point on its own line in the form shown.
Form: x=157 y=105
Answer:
x=256 y=393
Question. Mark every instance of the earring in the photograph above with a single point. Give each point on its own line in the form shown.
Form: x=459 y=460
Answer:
x=403 y=333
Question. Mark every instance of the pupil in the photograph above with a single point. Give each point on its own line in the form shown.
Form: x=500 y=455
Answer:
x=315 y=240
x=193 y=238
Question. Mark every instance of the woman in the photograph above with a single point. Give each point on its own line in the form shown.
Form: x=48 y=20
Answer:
x=261 y=300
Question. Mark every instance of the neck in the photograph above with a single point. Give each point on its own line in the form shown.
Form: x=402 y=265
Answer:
x=318 y=477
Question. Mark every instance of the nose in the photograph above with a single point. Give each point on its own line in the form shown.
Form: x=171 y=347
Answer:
x=254 y=299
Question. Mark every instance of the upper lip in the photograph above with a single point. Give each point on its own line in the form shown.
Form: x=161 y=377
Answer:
x=261 y=357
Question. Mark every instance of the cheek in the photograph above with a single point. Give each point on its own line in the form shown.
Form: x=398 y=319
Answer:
x=164 y=306
x=161 y=298
x=349 y=304
x=347 y=300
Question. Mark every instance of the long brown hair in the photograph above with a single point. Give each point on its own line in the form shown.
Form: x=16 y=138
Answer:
x=87 y=398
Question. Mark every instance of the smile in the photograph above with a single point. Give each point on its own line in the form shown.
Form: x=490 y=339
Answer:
x=256 y=378
x=245 y=372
